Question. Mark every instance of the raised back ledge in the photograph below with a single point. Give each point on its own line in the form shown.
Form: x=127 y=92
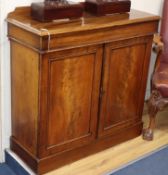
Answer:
x=21 y=17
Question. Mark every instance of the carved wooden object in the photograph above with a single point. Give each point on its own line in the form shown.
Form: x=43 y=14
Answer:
x=103 y=7
x=77 y=87
x=58 y=9
x=156 y=103
x=159 y=85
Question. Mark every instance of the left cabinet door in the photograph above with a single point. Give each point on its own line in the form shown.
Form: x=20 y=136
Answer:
x=70 y=82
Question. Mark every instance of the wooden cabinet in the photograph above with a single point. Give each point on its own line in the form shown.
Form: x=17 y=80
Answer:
x=77 y=87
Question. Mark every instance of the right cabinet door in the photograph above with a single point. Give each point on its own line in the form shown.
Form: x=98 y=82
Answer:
x=123 y=87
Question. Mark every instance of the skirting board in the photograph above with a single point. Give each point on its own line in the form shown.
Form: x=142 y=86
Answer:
x=16 y=164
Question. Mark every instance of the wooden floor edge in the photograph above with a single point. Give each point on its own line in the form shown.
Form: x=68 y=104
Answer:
x=137 y=159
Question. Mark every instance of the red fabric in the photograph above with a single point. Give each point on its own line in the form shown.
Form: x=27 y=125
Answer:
x=164 y=31
x=160 y=79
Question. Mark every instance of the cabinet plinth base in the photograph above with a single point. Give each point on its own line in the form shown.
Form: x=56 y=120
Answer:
x=41 y=166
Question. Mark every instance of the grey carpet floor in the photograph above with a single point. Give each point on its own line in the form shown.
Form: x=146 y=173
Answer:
x=5 y=170
x=155 y=164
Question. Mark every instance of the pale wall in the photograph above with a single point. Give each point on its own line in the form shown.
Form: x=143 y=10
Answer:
x=152 y=6
x=155 y=7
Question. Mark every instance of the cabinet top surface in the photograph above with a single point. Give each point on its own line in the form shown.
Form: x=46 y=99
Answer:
x=21 y=18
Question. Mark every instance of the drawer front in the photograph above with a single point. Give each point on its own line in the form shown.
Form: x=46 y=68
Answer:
x=123 y=84
x=71 y=81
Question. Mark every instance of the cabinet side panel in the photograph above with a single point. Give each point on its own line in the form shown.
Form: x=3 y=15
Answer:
x=24 y=79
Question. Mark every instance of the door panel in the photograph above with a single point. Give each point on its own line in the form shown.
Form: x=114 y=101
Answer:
x=70 y=99
x=73 y=88
x=122 y=84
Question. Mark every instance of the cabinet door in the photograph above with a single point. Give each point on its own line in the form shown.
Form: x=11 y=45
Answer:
x=123 y=84
x=70 y=95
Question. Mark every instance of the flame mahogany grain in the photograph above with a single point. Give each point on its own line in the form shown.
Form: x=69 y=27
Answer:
x=80 y=92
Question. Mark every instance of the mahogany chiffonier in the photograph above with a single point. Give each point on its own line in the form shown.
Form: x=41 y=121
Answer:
x=78 y=86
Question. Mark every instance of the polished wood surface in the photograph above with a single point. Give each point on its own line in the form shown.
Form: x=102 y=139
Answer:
x=101 y=7
x=135 y=149
x=21 y=17
x=60 y=9
x=72 y=80
x=77 y=86
x=123 y=73
x=24 y=95
x=88 y=30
